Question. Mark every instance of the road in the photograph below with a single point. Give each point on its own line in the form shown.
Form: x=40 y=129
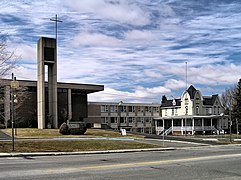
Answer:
x=212 y=162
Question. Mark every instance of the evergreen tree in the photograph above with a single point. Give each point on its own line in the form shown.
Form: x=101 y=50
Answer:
x=164 y=99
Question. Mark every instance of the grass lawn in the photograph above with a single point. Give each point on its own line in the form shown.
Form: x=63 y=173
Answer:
x=54 y=133
x=71 y=145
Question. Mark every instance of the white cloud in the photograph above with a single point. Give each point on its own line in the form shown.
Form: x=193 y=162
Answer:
x=152 y=73
x=121 y=11
x=140 y=94
x=175 y=84
x=26 y=52
x=88 y=39
x=137 y=35
x=137 y=47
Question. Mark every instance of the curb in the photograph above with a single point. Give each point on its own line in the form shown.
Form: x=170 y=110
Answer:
x=82 y=152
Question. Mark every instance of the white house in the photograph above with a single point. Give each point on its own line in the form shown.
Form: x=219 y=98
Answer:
x=192 y=114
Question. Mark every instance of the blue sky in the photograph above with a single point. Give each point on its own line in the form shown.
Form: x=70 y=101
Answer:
x=136 y=48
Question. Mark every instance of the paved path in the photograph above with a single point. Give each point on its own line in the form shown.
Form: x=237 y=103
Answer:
x=4 y=136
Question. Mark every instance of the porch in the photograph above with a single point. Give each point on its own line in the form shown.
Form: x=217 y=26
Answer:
x=190 y=125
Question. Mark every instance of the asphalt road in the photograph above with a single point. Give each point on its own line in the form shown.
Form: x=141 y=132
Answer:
x=207 y=162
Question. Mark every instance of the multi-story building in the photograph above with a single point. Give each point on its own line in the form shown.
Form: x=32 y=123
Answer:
x=192 y=114
x=136 y=117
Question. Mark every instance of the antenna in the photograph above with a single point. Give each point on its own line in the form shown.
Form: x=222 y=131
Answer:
x=186 y=75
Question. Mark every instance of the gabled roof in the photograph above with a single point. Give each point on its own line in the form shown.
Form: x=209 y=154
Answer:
x=192 y=91
x=169 y=103
x=209 y=100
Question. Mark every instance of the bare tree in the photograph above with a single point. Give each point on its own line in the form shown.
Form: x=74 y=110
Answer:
x=227 y=97
x=7 y=57
x=7 y=63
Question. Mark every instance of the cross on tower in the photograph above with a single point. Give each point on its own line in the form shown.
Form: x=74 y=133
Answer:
x=56 y=25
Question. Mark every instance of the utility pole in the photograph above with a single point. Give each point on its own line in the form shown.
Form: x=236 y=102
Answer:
x=237 y=127
x=12 y=107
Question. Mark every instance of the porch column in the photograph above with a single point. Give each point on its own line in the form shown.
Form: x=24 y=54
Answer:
x=172 y=126
x=193 y=126
x=202 y=124
x=211 y=126
x=182 y=127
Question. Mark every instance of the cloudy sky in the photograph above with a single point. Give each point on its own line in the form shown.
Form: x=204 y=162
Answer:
x=137 y=49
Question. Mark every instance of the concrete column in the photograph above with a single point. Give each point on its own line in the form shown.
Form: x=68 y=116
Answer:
x=52 y=87
x=211 y=126
x=202 y=124
x=69 y=105
x=47 y=55
x=41 y=87
x=7 y=112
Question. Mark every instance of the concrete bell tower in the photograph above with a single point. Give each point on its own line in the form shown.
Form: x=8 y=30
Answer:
x=47 y=56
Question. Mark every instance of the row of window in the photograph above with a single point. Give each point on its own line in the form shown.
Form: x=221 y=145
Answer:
x=209 y=110
x=114 y=108
x=125 y=119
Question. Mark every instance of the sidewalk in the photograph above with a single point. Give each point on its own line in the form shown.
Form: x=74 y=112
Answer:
x=13 y=154
x=4 y=136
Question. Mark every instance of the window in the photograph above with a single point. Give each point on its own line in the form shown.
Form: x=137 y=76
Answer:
x=140 y=109
x=208 y=110
x=186 y=110
x=146 y=109
x=131 y=108
x=113 y=108
x=148 y=120
x=142 y=120
x=122 y=119
x=131 y=120
x=172 y=111
x=197 y=109
x=155 y=109
x=104 y=108
x=123 y=108
x=104 y=120
x=113 y=119
x=165 y=112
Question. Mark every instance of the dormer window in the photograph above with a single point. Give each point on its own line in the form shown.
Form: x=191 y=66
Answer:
x=173 y=102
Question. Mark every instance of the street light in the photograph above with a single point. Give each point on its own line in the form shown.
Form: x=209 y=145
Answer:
x=14 y=86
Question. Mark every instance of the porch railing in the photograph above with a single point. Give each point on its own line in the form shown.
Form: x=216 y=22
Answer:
x=189 y=128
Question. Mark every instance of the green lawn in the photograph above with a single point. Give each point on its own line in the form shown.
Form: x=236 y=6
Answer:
x=53 y=133
x=69 y=145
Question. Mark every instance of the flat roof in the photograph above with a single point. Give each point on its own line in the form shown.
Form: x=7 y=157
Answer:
x=124 y=104
x=87 y=88
x=189 y=117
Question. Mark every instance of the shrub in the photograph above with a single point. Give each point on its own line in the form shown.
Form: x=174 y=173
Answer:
x=79 y=131
x=64 y=129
